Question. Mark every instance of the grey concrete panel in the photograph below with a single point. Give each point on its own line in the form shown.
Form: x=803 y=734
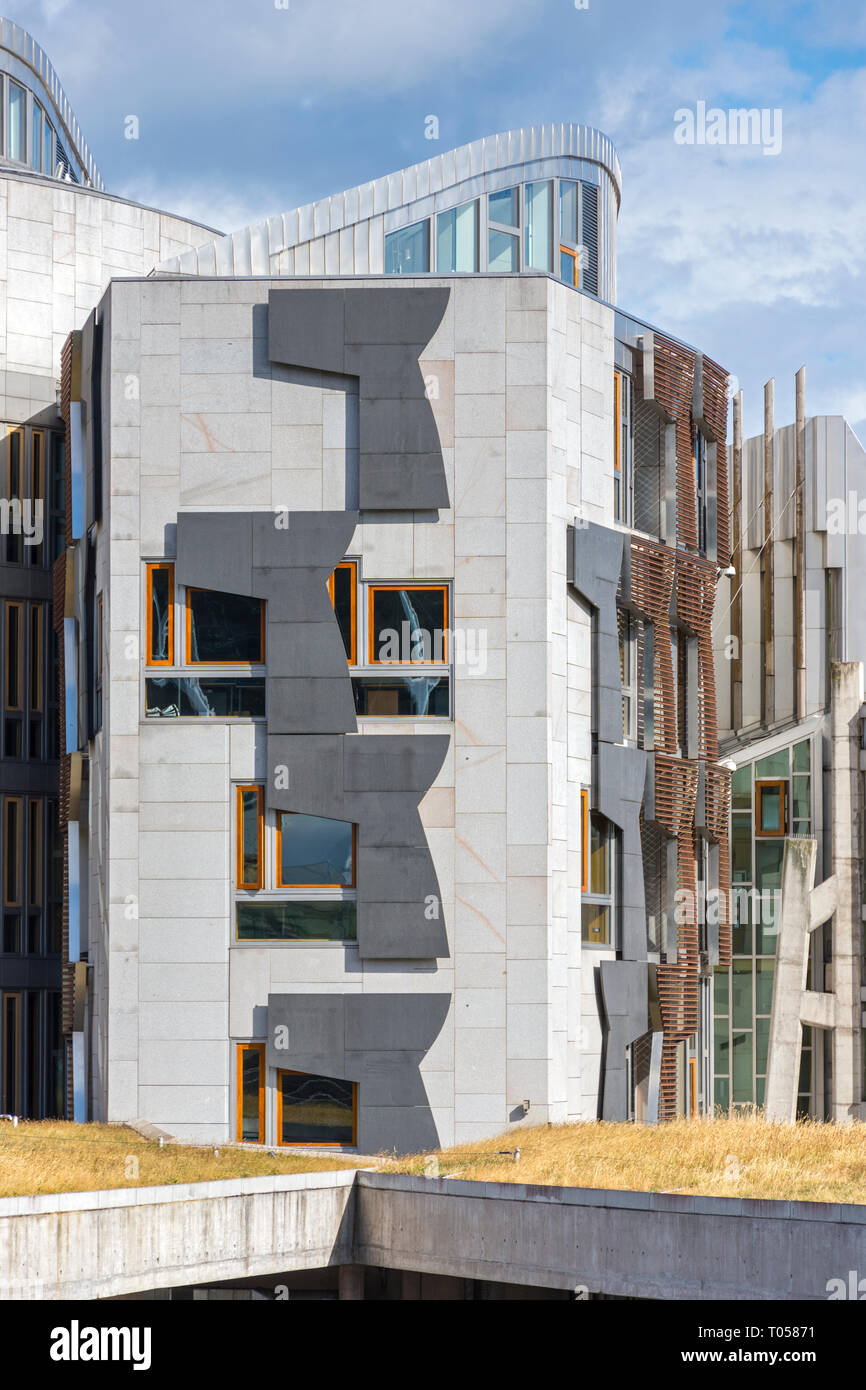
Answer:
x=376 y=335
x=319 y=705
x=304 y=647
x=215 y=551
x=392 y=762
x=597 y=559
x=401 y=931
x=625 y=995
x=314 y=773
x=291 y=540
x=395 y=874
x=376 y=1040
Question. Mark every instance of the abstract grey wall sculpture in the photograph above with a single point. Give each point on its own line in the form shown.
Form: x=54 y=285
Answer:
x=377 y=336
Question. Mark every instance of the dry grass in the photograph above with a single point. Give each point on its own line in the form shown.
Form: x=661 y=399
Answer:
x=739 y=1157
x=51 y=1156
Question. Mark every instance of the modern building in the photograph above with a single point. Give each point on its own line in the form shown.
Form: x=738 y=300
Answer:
x=62 y=240
x=387 y=739
x=790 y=636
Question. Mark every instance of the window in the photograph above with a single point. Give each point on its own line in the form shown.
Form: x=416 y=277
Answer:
x=408 y=625
x=343 y=589
x=503 y=252
x=14 y=489
x=568 y=211
x=12 y=851
x=313 y=852
x=538 y=225
x=97 y=656
x=628 y=674
x=13 y=648
x=295 y=874
x=34 y=853
x=597 y=902
x=17 y=122
x=700 y=462
x=315 y=1110
x=250 y=826
x=584 y=841
x=503 y=246
x=36 y=143
x=457 y=239
x=772 y=808
x=504 y=207
x=160 y=615
x=224 y=629
x=47 y=147
x=204 y=697
x=569 y=266
x=251 y=1093
x=407 y=252
x=623 y=446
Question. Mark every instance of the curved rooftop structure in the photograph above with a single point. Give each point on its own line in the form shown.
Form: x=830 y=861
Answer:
x=540 y=198
x=39 y=130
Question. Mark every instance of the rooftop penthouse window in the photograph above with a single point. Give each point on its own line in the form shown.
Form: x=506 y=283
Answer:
x=549 y=225
x=28 y=136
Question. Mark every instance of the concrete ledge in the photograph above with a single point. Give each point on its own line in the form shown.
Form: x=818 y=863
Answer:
x=635 y=1244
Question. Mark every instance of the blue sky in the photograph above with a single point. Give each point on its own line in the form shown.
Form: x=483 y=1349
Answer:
x=247 y=109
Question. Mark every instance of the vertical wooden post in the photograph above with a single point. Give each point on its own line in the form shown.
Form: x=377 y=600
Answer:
x=800 y=549
x=768 y=710
x=737 y=561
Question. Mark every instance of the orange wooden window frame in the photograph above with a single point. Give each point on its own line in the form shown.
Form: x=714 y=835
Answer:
x=12 y=1006
x=352 y=566
x=188 y=661
x=760 y=787
x=303 y=1143
x=584 y=841
x=575 y=256
x=396 y=589
x=37 y=465
x=12 y=862
x=260 y=839
x=261 y=1050
x=36 y=613
x=12 y=492
x=13 y=698
x=34 y=853
x=150 y=659
x=302 y=887
x=617 y=421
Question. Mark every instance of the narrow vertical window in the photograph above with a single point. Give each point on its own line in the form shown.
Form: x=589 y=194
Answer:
x=14 y=481
x=343 y=589
x=457 y=239
x=36 y=668
x=97 y=660
x=250 y=838
x=37 y=494
x=17 y=122
x=36 y=143
x=538 y=225
x=13 y=656
x=34 y=853
x=12 y=852
x=251 y=1093
x=584 y=841
x=160 y=615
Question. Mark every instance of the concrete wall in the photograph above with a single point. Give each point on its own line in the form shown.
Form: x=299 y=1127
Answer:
x=523 y=407
x=629 y=1244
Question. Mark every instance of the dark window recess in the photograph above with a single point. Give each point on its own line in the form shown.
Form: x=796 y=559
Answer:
x=172 y=697
x=93 y=722
x=344 y=583
x=408 y=625
x=315 y=852
x=224 y=627
x=96 y=404
x=405 y=697
x=315 y=1110
x=294 y=921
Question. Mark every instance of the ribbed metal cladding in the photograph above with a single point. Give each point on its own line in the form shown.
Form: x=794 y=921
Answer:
x=58 y=612
x=696 y=596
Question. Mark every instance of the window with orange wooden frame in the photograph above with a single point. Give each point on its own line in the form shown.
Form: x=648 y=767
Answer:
x=302 y=887
x=160 y=614
x=569 y=273
x=390 y=608
x=251 y=1073
x=343 y=593
x=349 y=1136
x=244 y=603
x=249 y=832
x=771 y=809
x=584 y=842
